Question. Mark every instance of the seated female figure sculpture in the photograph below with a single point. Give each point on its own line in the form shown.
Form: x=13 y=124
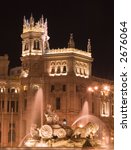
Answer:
x=51 y=116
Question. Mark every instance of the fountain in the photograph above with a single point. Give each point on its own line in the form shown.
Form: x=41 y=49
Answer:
x=94 y=125
x=51 y=134
x=38 y=107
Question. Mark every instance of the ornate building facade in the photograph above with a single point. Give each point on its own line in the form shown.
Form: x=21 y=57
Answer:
x=65 y=76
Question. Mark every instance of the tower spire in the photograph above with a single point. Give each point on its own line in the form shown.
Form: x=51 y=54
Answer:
x=31 y=20
x=46 y=27
x=24 y=21
x=71 y=43
x=89 y=46
x=42 y=19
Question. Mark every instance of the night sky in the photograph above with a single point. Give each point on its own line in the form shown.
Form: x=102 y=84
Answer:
x=92 y=19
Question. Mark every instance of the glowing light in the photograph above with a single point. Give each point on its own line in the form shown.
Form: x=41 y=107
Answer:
x=35 y=86
x=79 y=75
x=96 y=87
x=2 y=90
x=25 y=88
x=90 y=89
x=16 y=91
x=58 y=74
x=112 y=138
x=105 y=115
x=69 y=50
x=33 y=52
x=80 y=125
x=106 y=88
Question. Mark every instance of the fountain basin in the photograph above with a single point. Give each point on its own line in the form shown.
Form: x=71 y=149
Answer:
x=36 y=148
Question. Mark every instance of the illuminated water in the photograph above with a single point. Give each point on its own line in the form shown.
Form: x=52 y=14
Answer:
x=85 y=124
x=84 y=117
x=38 y=106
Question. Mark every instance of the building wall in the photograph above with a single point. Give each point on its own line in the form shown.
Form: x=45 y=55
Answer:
x=65 y=77
x=71 y=90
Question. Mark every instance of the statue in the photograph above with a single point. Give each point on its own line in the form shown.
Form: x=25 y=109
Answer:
x=51 y=116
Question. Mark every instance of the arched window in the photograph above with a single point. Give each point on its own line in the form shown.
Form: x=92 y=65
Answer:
x=103 y=108
x=53 y=70
x=81 y=71
x=34 y=45
x=85 y=72
x=77 y=70
x=64 y=69
x=26 y=47
x=1 y=104
x=58 y=69
x=64 y=88
x=58 y=103
x=2 y=90
x=52 y=88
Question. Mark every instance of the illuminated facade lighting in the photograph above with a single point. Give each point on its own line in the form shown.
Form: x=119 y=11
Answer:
x=65 y=76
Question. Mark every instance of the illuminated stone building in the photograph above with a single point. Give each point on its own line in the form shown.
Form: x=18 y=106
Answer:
x=65 y=75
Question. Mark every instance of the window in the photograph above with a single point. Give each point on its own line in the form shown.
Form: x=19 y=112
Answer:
x=12 y=90
x=58 y=103
x=77 y=88
x=85 y=72
x=8 y=106
x=16 y=106
x=52 y=88
x=25 y=103
x=64 y=69
x=58 y=69
x=2 y=90
x=12 y=105
x=36 y=45
x=93 y=108
x=11 y=135
x=64 y=88
x=53 y=70
x=112 y=107
x=77 y=70
x=26 y=47
x=1 y=105
x=81 y=71
x=103 y=108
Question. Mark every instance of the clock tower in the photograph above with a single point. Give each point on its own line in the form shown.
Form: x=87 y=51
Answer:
x=34 y=46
